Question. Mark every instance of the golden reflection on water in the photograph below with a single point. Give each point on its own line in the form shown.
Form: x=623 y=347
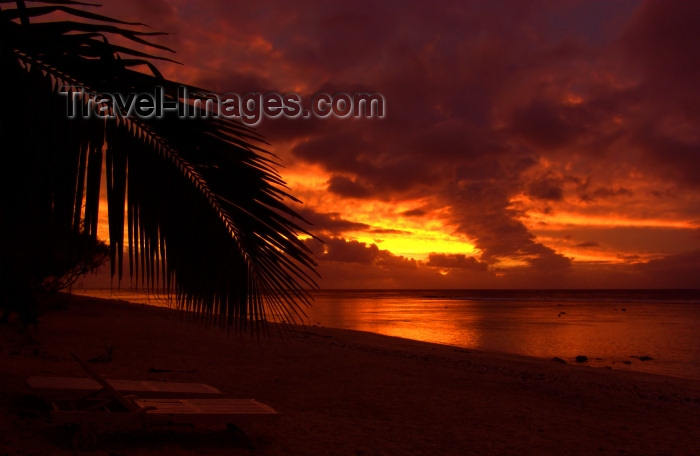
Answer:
x=421 y=320
x=602 y=331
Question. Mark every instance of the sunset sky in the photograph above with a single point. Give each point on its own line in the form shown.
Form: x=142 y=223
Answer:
x=525 y=144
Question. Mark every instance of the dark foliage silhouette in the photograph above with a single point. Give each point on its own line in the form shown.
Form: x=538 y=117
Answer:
x=195 y=205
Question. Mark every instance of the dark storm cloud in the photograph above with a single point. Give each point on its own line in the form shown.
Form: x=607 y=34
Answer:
x=338 y=249
x=587 y=244
x=603 y=193
x=546 y=188
x=661 y=44
x=480 y=98
x=414 y=213
x=332 y=225
x=388 y=231
x=341 y=250
x=674 y=271
x=662 y=38
x=677 y=159
x=347 y=187
x=336 y=151
x=458 y=261
x=486 y=101
x=329 y=222
x=546 y=259
x=547 y=125
x=240 y=83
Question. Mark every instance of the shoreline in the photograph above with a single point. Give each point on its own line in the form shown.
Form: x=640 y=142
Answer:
x=351 y=392
x=654 y=358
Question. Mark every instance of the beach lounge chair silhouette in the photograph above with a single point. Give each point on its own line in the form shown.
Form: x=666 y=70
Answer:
x=67 y=388
x=109 y=410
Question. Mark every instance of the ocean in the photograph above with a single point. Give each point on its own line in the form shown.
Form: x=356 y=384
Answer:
x=656 y=331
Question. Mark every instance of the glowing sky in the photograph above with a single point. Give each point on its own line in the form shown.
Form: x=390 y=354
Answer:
x=526 y=144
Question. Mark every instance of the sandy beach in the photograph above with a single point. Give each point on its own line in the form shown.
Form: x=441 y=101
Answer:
x=343 y=392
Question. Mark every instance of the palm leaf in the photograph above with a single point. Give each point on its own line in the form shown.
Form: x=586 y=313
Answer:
x=205 y=216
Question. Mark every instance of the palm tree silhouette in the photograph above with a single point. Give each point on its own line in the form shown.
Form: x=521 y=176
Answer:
x=203 y=207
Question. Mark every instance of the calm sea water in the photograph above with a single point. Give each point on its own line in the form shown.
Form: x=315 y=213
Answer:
x=612 y=328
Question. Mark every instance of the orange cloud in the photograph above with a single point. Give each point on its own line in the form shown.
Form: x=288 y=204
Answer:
x=542 y=155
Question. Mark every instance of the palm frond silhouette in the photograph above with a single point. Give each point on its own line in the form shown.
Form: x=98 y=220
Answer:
x=204 y=209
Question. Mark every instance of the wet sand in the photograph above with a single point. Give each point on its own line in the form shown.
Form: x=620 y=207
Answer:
x=343 y=392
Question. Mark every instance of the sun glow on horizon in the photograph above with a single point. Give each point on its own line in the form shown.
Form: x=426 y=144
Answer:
x=383 y=223
x=418 y=244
